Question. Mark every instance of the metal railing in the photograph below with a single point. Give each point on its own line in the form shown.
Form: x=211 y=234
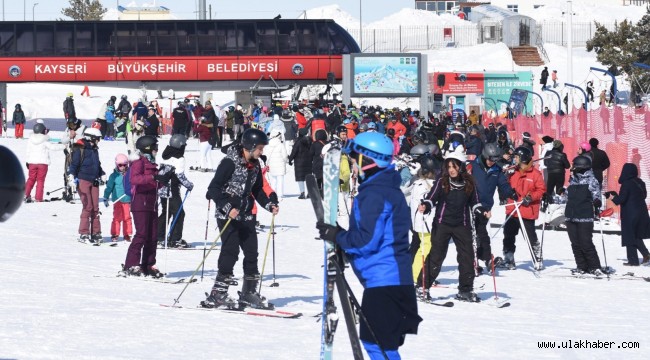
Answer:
x=420 y=38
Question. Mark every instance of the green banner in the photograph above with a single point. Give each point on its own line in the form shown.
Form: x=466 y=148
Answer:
x=498 y=90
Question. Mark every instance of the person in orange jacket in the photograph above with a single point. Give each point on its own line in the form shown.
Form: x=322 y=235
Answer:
x=400 y=129
x=528 y=184
x=351 y=128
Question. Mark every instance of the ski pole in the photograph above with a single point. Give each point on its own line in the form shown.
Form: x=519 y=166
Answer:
x=205 y=240
x=516 y=204
x=166 y=229
x=274 y=284
x=494 y=280
x=524 y=233
x=357 y=305
x=53 y=191
x=603 y=214
x=268 y=239
x=424 y=286
x=171 y=227
x=214 y=244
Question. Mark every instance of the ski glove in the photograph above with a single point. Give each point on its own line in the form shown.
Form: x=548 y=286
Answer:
x=274 y=198
x=609 y=194
x=597 y=205
x=328 y=232
x=479 y=210
x=427 y=206
x=106 y=202
x=290 y=162
x=526 y=200
x=72 y=183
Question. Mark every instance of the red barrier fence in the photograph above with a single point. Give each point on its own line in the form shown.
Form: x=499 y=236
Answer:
x=623 y=132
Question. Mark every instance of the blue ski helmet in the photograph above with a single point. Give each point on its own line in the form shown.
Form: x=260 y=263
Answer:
x=375 y=146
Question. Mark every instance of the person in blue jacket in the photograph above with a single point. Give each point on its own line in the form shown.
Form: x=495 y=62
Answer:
x=377 y=245
x=488 y=176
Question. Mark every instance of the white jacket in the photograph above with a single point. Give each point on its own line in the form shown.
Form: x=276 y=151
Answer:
x=421 y=223
x=39 y=147
x=277 y=125
x=276 y=157
x=545 y=148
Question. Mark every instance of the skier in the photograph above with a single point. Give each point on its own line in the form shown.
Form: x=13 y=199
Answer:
x=529 y=185
x=151 y=123
x=121 y=201
x=173 y=166
x=18 y=120
x=600 y=160
x=488 y=175
x=38 y=161
x=302 y=157
x=277 y=160
x=582 y=203
x=204 y=130
x=85 y=173
x=69 y=111
x=132 y=137
x=635 y=221
x=315 y=151
x=236 y=185
x=556 y=166
x=377 y=245
x=125 y=106
x=456 y=199
x=144 y=179
x=421 y=224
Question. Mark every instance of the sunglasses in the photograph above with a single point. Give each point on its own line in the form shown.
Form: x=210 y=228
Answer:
x=122 y=165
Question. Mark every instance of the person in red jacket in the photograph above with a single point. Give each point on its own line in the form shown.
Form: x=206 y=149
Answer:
x=400 y=129
x=528 y=184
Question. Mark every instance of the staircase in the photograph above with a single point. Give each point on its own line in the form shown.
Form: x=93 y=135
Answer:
x=526 y=56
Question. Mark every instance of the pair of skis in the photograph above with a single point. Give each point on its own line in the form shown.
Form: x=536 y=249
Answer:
x=326 y=211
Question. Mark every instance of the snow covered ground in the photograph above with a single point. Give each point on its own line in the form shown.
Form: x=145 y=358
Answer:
x=60 y=299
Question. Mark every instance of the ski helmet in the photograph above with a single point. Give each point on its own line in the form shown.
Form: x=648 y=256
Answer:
x=428 y=164
x=581 y=163
x=124 y=97
x=421 y=137
x=492 y=152
x=178 y=141
x=524 y=153
x=92 y=134
x=375 y=146
x=585 y=146
x=457 y=157
x=419 y=150
x=121 y=159
x=39 y=128
x=146 y=144
x=434 y=149
x=372 y=126
x=363 y=127
x=253 y=137
x=12 y=183
x=341 y=129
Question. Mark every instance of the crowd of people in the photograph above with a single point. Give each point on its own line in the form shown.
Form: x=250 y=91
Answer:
x=409 y=182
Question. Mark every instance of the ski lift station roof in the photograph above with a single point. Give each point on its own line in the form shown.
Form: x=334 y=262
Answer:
x=495 y=14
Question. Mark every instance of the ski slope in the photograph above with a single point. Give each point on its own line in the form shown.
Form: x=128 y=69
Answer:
x=59 y=298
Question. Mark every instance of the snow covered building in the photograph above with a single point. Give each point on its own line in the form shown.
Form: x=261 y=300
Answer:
x=453 y=7
x=500 y=25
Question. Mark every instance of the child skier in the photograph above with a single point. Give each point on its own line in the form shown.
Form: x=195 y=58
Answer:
x=121 y=201
x=377 y=246
x=18 y=121
x=582 y=203
x=173 y=167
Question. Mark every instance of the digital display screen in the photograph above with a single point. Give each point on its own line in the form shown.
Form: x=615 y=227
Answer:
x=385 y=75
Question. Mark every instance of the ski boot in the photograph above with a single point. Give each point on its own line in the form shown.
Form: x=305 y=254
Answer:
x=537 y=251
x=96 y=239
x=127 y=238
x=28 y=199
x=508 y=261
x=84 y=238
x=302 y=196
x=114 y=238
x=218 y=297
x=577 y=272
x=596 y=273
x=248 y=296
x=131 y=271
x=422 y=294
x=181 y=244
x=607 y=270
x=154 y=272
x=468 y=296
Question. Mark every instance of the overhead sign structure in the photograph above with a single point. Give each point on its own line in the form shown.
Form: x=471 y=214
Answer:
x=168 y=68
x=385 y=75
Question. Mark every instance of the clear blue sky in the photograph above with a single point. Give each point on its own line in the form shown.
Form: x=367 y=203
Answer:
x=373 y=10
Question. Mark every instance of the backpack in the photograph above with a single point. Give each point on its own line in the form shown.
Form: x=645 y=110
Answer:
x=126 y=181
